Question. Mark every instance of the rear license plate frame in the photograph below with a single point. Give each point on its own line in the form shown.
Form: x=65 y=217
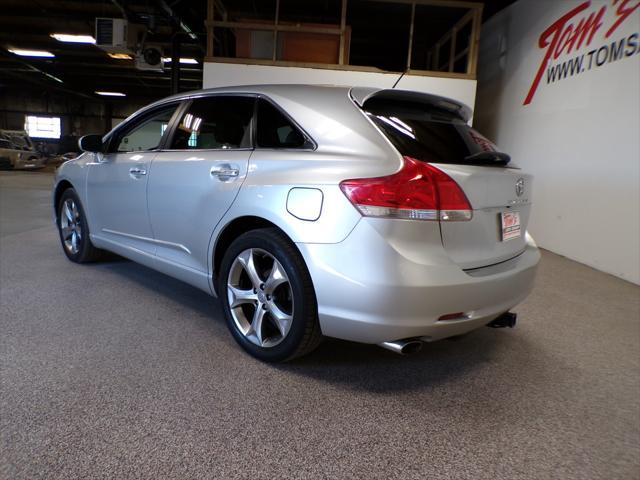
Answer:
x=510 y=226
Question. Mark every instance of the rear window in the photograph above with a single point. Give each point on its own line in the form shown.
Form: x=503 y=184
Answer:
x=429 y=134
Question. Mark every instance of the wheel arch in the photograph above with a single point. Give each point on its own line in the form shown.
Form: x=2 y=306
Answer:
x=233 y=230
x=61 y=187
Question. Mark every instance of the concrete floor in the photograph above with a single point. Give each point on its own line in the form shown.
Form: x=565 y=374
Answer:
x=114 y=371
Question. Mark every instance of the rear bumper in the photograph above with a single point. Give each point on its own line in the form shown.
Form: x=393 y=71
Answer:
x=20 y=163
x=368 y=291
x=30 y=164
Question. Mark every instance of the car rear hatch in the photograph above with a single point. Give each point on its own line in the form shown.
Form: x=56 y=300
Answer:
x=435 y=130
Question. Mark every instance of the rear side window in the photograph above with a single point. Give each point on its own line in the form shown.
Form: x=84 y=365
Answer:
x=429 y=134
x=215 y=122
x=275 y=130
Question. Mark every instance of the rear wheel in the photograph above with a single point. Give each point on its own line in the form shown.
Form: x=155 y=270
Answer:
x=268 y=298
x=73 y=229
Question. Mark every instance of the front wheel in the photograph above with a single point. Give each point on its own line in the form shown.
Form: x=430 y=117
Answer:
x=74 y=230
x=268 y=298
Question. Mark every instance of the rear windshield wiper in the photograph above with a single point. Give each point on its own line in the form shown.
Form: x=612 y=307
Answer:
x=488 y=158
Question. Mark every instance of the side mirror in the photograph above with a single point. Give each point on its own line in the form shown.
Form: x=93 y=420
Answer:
x=90 y=143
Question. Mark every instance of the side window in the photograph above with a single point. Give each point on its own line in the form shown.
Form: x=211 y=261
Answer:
x=215 y=122
x=145 y=135
x=275 y=130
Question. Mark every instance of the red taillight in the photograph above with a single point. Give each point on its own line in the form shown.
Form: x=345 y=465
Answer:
x=419 y=191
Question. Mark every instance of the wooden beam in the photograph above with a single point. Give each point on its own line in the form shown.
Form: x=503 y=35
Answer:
x=332 y=66
x=445 y=37
x=279 y=28
x=452 y=51
x=343 y=25
x=474 y=16
x=474 y=43
x=451 y=34
x=461 y=54
x=435 y=3
x=459 y=25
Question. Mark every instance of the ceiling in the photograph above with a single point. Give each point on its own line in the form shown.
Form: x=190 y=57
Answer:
x=81 y=69
x=84 y=68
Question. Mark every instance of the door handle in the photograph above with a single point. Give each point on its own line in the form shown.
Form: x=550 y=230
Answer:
x=225 y=171
x=136 y=172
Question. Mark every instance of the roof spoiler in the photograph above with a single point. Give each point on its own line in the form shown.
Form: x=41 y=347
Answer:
x=361 y=95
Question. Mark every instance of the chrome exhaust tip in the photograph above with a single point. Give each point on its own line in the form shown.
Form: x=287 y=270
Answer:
x=403 y=347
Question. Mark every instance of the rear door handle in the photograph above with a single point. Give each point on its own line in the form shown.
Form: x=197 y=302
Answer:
x=225 y=171
x=137 y=172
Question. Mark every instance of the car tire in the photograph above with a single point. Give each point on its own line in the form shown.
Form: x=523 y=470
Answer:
x=264 y=281
x=74 y=230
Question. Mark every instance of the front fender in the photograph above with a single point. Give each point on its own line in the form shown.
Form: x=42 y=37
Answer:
x=74 y=173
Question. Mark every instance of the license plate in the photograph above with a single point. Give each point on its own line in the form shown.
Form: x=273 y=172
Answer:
x=510 y=225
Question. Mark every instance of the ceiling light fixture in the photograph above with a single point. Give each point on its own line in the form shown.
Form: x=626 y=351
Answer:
x=190 y=61
x=69 y=38
x=110 y=94
x=31 y=53
x=120 y=56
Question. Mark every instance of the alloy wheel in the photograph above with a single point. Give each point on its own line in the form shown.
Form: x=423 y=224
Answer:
x=260 y=297
x=70 y=226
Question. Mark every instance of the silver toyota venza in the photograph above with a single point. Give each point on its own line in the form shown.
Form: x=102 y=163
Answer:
x=370 y=215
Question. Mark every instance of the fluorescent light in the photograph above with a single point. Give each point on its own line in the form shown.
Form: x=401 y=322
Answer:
x=191 y=61
x=120 y=56
x=66 y=37
x=31 y=53
x=111 y=94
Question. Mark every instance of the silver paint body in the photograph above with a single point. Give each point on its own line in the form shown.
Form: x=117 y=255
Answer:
x=375 y=279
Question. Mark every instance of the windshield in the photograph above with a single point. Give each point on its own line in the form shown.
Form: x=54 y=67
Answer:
x=432 y=135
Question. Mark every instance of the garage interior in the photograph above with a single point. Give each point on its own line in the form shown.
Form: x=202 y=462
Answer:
x=112 y=370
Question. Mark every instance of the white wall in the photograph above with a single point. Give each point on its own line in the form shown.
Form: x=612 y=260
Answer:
x=230 y=74
x=579 y=136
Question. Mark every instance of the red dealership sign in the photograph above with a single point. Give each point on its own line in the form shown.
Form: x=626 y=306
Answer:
x=575 y=31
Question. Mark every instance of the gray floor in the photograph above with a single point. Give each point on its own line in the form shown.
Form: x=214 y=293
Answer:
x=114 y=371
